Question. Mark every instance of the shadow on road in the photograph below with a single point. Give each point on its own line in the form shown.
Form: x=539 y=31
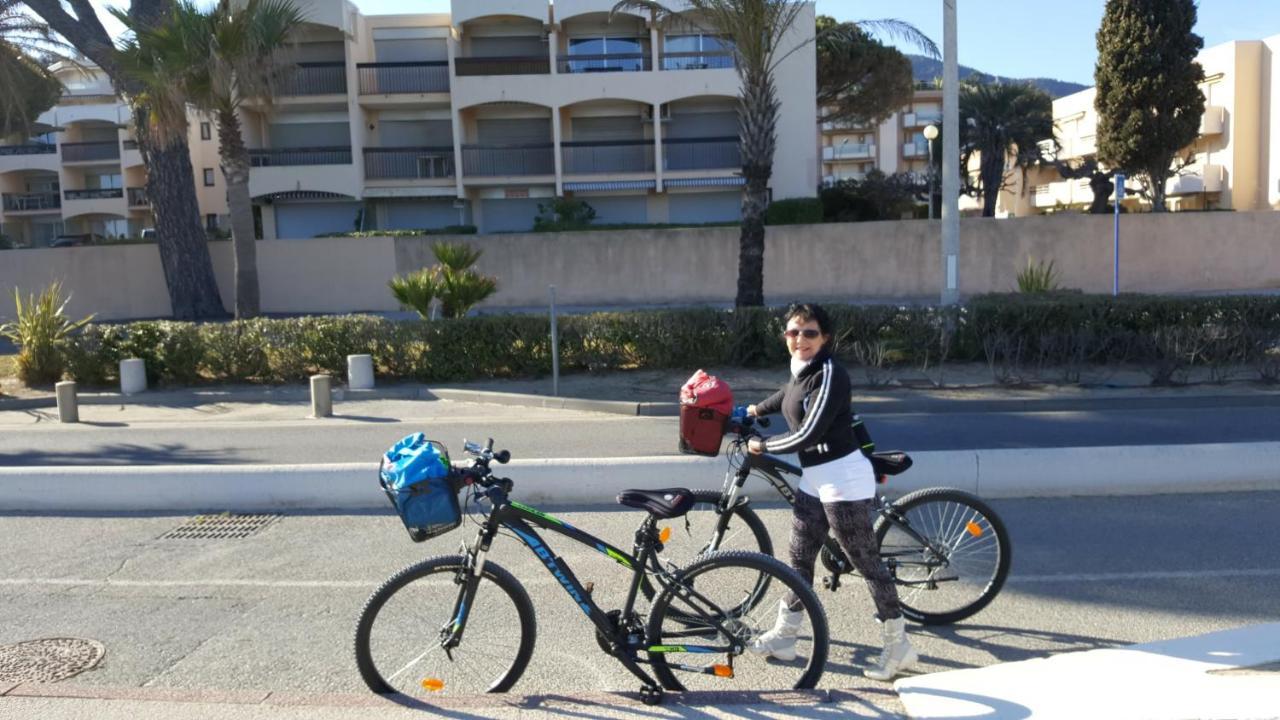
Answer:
x=122 y=454
x=1007 y=644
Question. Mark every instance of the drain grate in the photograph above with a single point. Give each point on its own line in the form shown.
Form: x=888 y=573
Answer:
x=227 y=526
x=48 y=660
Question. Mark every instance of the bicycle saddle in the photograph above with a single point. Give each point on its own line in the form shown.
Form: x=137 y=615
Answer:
x=664 y=504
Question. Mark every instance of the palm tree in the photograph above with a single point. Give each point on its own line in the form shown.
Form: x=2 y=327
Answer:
x=1002 y=122
x=757 y=30
x=213 y=61
x=27 y=49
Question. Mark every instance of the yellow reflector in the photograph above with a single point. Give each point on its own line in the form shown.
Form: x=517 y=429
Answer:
x=432 y=684
x=664 y=535
x=973 y=528
x=723 y=671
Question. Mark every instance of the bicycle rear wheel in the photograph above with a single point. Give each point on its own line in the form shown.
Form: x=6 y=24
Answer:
x=950 y=554
x=401 y=637
x=685 y=643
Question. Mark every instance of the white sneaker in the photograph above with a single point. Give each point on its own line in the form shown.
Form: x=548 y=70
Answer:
x=780 y=642
x=897 y=656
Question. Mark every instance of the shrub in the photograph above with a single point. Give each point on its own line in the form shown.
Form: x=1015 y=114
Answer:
x=563 y=214
x=40 y=331
x=6 y=243
x=794 y=211
x=417 y=290
x=1037 y=277
x=93 y=355
x=416 y=232
x=460 y=288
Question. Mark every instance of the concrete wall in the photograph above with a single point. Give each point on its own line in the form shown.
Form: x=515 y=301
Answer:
x=1170 y=253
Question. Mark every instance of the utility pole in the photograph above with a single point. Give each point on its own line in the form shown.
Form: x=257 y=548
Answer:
x=950 y=157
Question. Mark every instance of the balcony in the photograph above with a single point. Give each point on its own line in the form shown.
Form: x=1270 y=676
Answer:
x=29 y=149
x=526 y=65
x=1197 y=179
x=718 y=60
x=920 y=118
x=138 y=197
x=398 y=78
x=852 y=177
x=408 y=163
x=603 y=157
x=849 y=151
x=1212 y=120
x=90 y=151
x=508 y=160
x=32 y=202
x=835 y=125
x=612 y=62
x=314 y=78
x=337 y=155
x=721 y=153
x=94 y=194
x=913 y=150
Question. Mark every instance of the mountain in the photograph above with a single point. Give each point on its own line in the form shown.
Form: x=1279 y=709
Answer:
x=926 y=69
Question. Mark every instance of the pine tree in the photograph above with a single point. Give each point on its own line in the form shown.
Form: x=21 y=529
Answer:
x=1149 y=101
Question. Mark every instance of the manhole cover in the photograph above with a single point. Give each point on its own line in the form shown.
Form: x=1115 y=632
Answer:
x=226 y=526
x=48 y=660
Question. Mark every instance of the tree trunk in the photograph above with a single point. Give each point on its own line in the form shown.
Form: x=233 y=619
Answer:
x=1101 y=186
x=991 y=171
x=184 y=251
x=1156 y=179
x=758 y=117
x=235 y=169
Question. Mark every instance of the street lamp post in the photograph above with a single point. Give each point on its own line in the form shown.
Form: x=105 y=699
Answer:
x=931 y=134
x=950 y=157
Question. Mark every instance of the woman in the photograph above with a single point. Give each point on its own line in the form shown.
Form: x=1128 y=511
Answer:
x=835 y=491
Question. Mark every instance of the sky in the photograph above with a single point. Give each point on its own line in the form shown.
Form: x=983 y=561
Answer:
x=1012 y=39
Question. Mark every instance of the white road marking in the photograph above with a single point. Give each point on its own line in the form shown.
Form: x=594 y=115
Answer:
x=1153 y=575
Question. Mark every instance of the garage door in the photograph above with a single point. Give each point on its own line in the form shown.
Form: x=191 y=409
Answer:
x=300 y=221
x=415 y=214
x=705 y=207
x=508 y=215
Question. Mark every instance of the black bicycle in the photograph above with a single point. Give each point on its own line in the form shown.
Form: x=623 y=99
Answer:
x=946 y=549
x=457 y=623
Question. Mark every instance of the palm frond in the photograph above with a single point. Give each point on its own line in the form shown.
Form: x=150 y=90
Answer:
x=895 y=29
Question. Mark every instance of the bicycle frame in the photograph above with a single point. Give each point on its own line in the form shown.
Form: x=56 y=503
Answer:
x=521 y=520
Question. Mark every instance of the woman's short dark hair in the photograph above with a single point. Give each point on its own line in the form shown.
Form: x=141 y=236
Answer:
x=805 y=312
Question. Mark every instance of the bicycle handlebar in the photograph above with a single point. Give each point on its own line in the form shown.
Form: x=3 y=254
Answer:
x=744 y=425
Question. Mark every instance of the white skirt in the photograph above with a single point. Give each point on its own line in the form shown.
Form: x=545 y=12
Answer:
x=848 y=478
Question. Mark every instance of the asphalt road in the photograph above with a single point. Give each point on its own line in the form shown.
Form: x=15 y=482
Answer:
x=249 y=435
x=277 y=610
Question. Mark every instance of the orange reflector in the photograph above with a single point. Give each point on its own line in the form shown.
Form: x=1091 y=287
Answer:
x=973 y=528
x=723 y=671
x=432 y=684
x=664 y=535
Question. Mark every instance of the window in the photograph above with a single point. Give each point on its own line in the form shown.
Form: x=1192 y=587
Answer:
x=698 y=52
x=103 y=181
x=597 y=46
x=208 y=177
x=211 y=222
x=206 y=131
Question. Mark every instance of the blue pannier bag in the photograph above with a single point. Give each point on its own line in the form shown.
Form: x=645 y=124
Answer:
x=418 y=479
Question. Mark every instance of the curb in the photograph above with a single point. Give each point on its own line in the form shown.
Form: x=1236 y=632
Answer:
x=868 y=406
x=997 y=473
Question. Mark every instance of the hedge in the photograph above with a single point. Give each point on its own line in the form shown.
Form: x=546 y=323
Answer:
x=1017 y=336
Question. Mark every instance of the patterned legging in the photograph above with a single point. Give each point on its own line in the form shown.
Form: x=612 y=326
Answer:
x=851 y=523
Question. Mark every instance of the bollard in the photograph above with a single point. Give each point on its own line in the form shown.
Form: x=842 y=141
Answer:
x=133 y=376
x=360 y=372
x=321 y=397
x=68 y=405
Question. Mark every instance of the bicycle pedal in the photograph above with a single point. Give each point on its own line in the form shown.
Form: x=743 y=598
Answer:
x=651 y=695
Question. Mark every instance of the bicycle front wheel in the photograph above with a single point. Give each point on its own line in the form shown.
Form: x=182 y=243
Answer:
x=702 y=621
x=406 y=640
x=949 y=554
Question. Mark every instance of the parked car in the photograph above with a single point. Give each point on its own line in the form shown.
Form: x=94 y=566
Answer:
x=74 y=240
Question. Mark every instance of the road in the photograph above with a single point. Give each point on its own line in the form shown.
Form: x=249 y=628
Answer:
x=277 y=610
x=253 y=434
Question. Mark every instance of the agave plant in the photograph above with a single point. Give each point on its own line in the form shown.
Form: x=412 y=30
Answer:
x=40 y=330
x=1038 y=278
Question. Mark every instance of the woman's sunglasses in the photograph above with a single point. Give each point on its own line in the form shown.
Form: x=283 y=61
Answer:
x=809 y=333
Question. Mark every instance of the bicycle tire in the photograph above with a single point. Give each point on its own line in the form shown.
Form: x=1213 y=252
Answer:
x=759 y=672
x=755 y=539
x=447 y=568
x=971 y=536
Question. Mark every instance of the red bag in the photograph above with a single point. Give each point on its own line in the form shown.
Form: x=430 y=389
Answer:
x=705 y=405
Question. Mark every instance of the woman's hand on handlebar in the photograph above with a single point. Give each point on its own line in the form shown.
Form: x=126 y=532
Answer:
x=755 y=446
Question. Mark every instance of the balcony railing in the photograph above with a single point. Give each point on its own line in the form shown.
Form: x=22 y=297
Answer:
x=94 y=194
x=88 y=151
x=613 y=156
x=23 y=202
x=719 y=60
x=495 y=160
x=614 y=62
x=422 y=163
x=396 y=78
x=30 y=149
x=336 y=155
x=702 y=153
x=528 y=65
x=315 y=78
x=130 y=144
x=138 y=197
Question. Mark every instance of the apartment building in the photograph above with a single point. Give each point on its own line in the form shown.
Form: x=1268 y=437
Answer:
x=1235 y=161
x=479 y=116
x=897 y=145
x=81 y=173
